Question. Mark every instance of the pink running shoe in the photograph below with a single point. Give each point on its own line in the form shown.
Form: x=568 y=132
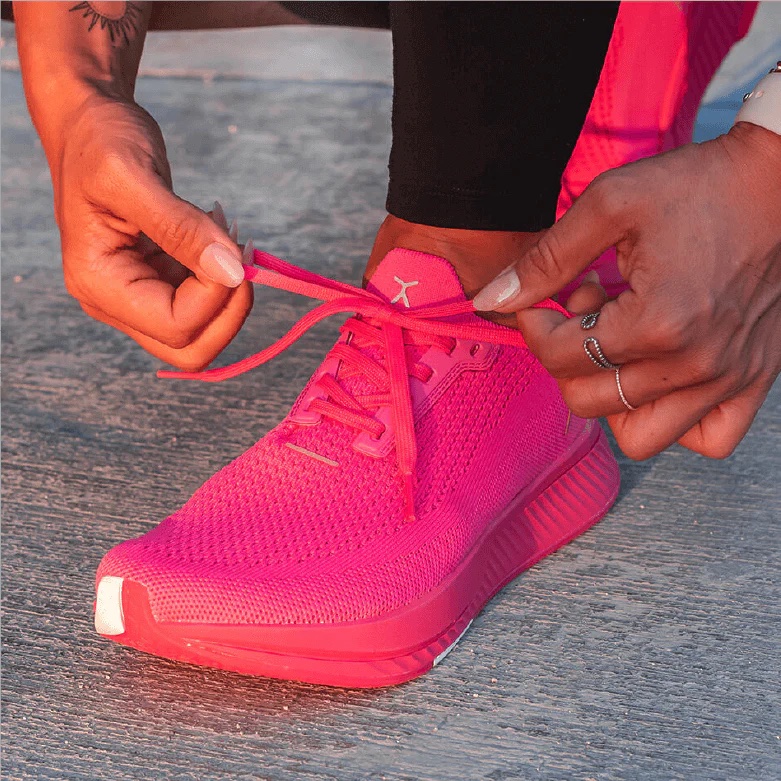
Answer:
x=428 y=462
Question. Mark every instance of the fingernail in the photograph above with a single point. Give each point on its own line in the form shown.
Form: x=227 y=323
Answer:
x=248 y=256
x=592 y=276
x=219 y=215
x=234 y=231
x=501 y=291
x=221 y=265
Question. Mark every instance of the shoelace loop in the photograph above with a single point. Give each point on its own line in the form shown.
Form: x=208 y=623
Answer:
x=357 y=410
x=425 y=325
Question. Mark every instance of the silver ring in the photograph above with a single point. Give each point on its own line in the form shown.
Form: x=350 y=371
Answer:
x=621 y=392
x=589 y=321
x=594 y=351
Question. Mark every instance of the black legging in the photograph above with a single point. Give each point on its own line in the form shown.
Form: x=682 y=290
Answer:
x=488 y=102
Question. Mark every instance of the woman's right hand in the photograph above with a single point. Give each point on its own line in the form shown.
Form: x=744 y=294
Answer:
x=135 y=255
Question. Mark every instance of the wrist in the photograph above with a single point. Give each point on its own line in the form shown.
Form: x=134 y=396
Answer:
x=67 y=59
x=753 y=166
x=761 y=150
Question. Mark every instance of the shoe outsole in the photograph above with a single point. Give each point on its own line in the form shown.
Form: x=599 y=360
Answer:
x=408 y=642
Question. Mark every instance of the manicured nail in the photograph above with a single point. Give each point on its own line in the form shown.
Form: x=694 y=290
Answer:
x=592 y=276
x=219 y=215
x=248 y=256
x=501 y=291
x=222 y=265
x=234 y=231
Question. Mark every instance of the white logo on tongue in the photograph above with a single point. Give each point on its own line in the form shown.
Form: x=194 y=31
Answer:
x=402 y=294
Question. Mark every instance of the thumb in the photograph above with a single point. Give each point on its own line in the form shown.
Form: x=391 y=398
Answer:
x=591 y=226
x=184 y=232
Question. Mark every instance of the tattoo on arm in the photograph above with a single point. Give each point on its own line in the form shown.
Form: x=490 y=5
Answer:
x=119 y=18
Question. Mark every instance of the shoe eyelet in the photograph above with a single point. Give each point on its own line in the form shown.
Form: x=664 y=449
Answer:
x=379 y=436
x=475 y=349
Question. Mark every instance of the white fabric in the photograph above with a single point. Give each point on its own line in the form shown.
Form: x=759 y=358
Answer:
x=763 y=105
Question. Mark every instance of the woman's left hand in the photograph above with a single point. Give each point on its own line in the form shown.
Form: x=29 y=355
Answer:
x=698 y=334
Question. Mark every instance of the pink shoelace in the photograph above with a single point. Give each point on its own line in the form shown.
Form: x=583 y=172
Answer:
x=380 y=323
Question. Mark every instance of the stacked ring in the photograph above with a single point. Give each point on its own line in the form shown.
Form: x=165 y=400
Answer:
x=621 y=392
x=594 y=351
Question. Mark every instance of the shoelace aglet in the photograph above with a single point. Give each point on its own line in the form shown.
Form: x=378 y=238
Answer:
x=409 y=496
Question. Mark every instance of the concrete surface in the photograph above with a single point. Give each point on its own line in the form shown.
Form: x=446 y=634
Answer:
x=648 y=649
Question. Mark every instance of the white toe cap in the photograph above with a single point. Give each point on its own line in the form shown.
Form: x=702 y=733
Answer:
x=108 y=608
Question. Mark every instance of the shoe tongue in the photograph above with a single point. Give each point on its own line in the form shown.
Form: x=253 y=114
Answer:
x=408 y=278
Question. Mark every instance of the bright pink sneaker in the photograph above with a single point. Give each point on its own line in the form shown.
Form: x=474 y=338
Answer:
x=428 y=462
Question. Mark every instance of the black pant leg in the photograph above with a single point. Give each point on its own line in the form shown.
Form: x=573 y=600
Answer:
x=489 y=100
x=342 y=14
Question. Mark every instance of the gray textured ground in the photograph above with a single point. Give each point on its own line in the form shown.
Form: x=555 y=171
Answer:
x=647 y=649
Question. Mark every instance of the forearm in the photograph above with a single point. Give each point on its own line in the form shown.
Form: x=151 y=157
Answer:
x=71 y=52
